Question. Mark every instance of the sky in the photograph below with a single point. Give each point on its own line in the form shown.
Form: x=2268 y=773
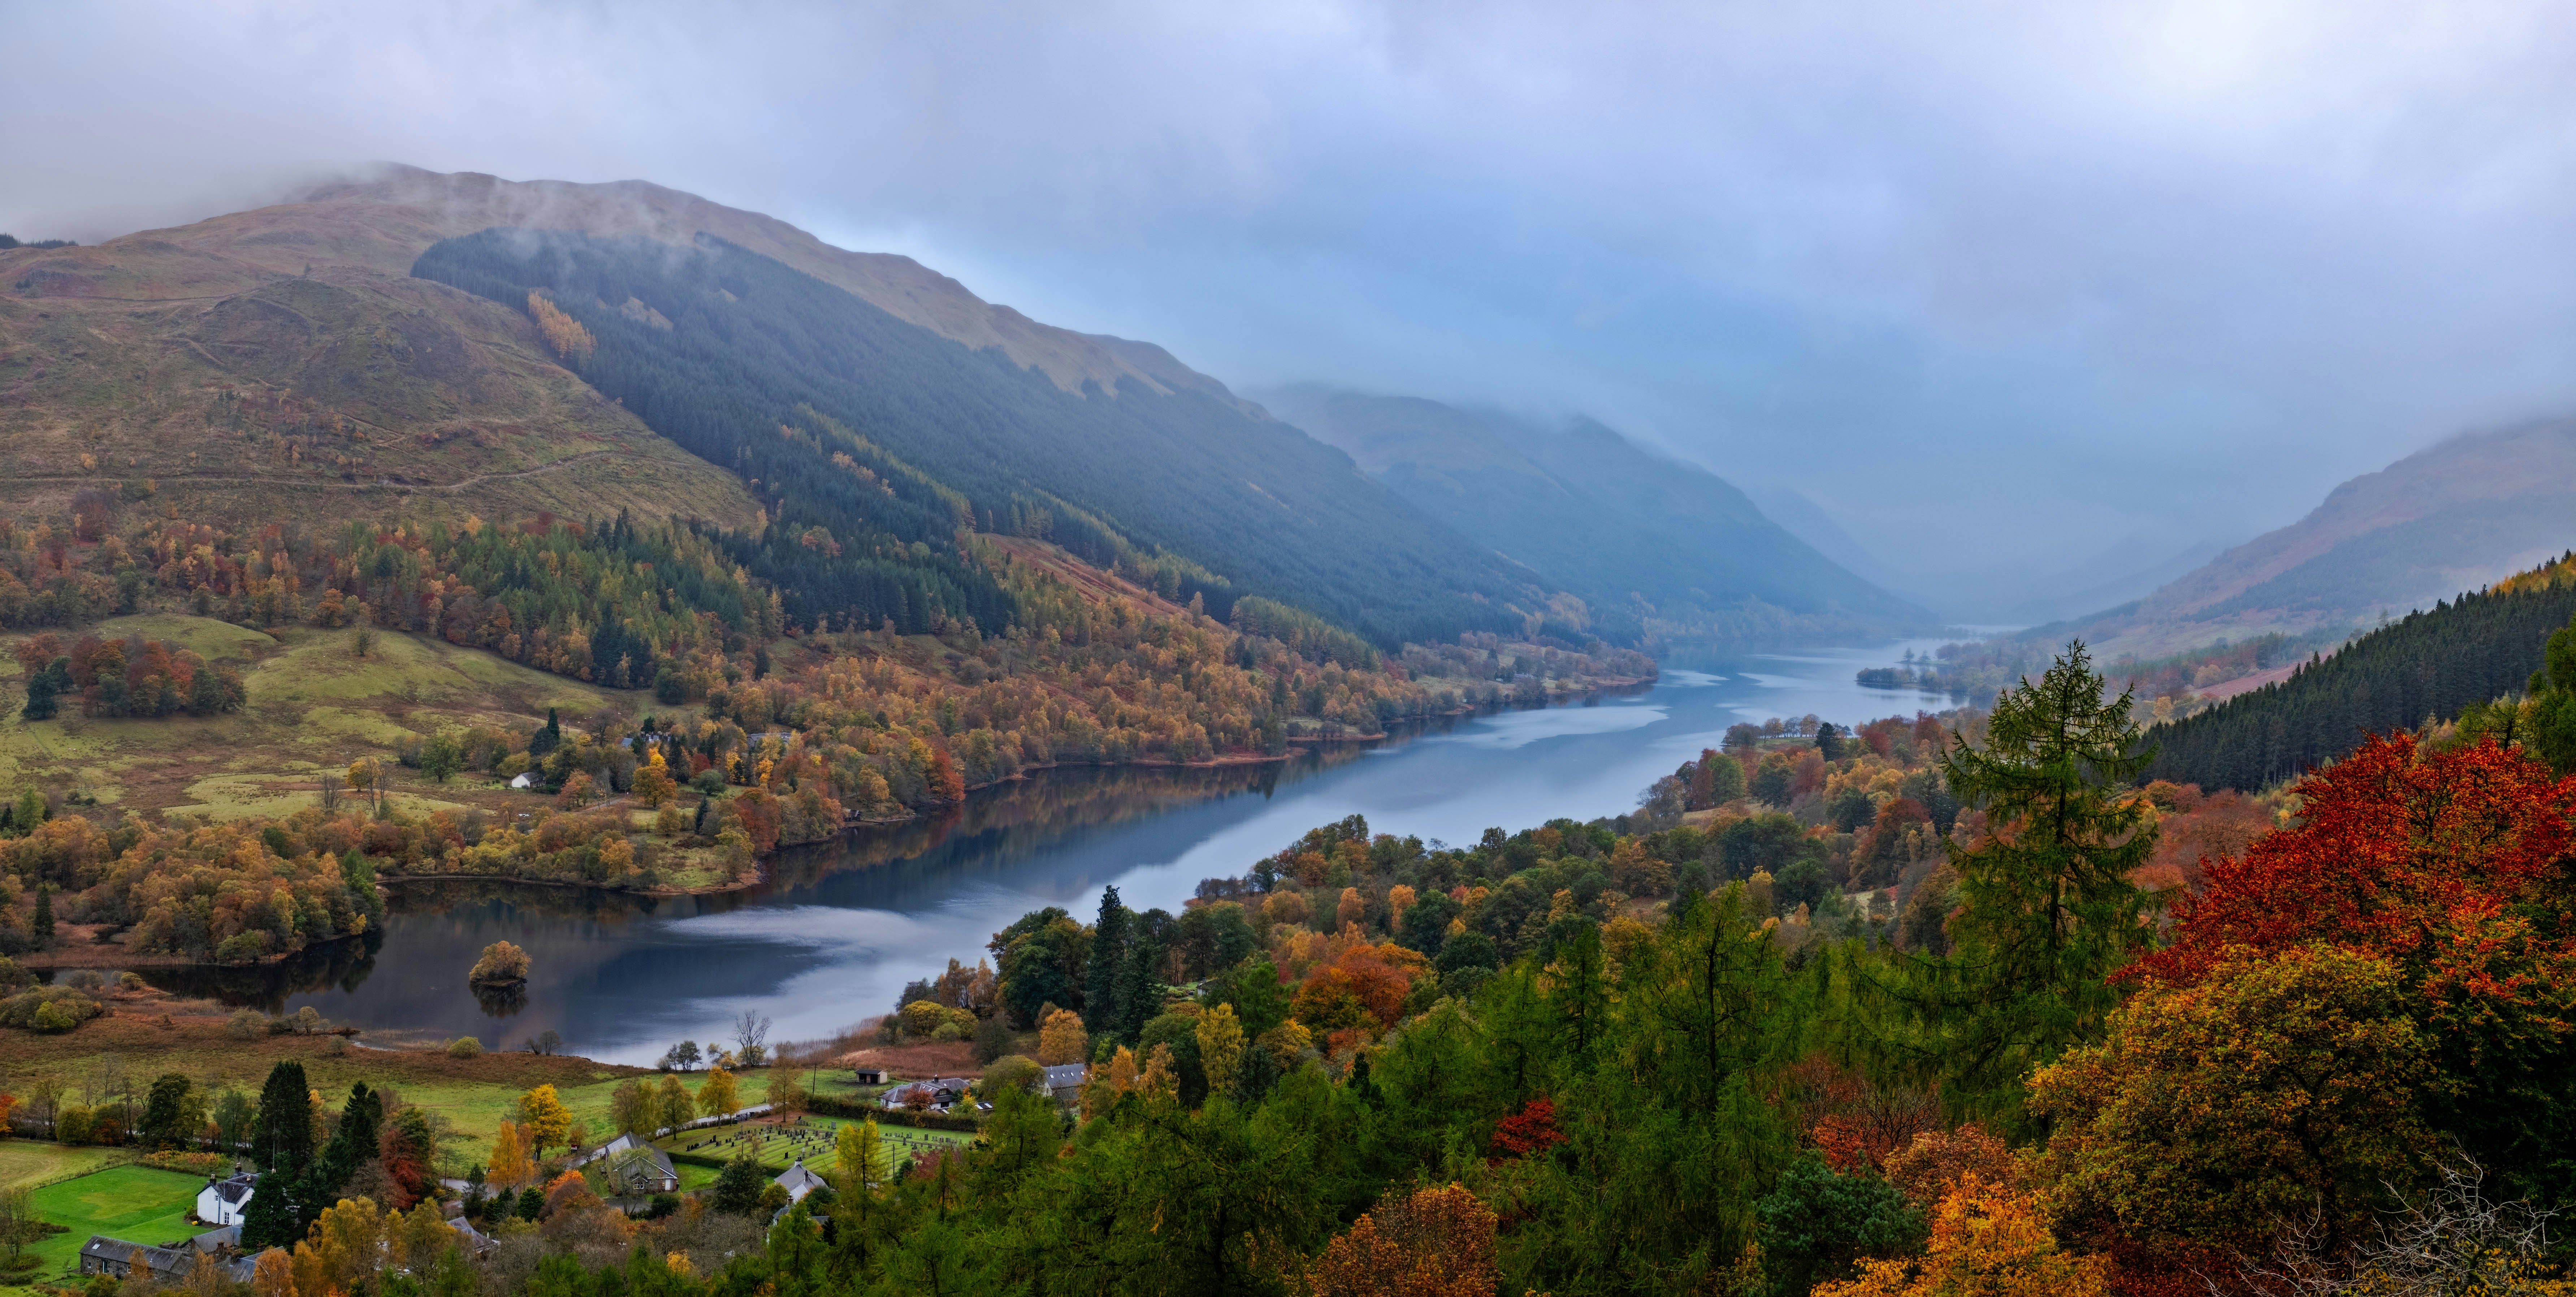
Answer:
x=1994 y=284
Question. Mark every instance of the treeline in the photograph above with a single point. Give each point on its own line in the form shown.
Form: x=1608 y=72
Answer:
x=2428 y=666
x=888 y=437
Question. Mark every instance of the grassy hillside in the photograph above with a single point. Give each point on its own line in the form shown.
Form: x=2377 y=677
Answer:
x=888 y=435
x=313 y=705
x=194 y=380
x=1659 y=552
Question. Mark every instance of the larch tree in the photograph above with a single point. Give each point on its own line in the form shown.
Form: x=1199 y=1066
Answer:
x=2048 y=910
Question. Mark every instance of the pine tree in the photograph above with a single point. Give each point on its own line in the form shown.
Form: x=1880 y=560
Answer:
x=269 y=1219
x=2049 y=912
x=43 y=926
x=1108 y=962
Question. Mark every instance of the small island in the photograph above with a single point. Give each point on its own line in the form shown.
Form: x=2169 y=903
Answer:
x=502 y=965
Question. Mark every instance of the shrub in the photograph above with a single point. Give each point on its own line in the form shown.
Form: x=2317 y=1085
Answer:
x=465 y=1047
x=49 y=1009
x=247 y=1024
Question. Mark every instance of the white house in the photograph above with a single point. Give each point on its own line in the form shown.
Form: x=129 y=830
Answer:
x=222 y=1202
x=525 y=780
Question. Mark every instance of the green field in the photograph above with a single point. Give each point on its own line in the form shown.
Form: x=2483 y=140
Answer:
x=134 y=1203
x=30 y=1163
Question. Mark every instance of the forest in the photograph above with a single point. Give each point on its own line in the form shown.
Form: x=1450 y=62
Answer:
x=876 y=442
x=1687 y=1049
x=2429 y=666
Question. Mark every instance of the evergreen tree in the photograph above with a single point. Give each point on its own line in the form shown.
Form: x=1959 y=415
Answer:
x=352 y=1143
x=165 y=1112
x=45 y=689
x=269 y=1219
x=2049 y=912
x=1109 y=940
x=282 y=1135
x=43 y=926
x=548 y=737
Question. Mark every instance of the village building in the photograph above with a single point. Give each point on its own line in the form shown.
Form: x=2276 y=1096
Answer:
x=222 y=1202
x=635 y=1169
x=165 y=1266
x=798 y=1181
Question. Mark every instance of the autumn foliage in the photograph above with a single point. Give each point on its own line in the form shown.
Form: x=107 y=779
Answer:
x=563 y=333
x=1988 y=1240
x=1433 y=1242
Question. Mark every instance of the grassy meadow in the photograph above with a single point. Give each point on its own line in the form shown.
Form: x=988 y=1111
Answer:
x=136 y=1203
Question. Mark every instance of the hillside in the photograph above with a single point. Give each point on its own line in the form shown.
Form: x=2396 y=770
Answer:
x=887 y=435
x=1660 y=552
x=2430 y=665
x=2454 y=516
x=198 y=367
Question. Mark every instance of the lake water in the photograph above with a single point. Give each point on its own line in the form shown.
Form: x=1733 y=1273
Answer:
x=838 y=929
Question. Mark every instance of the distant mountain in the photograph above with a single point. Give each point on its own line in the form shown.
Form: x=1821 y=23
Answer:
x=2451 y=518
x=1807 y=520
x=1659 y=551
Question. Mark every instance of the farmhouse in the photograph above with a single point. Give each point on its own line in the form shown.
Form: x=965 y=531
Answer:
x=1064 y=1080
x=222 y=1202
x=165 y=1266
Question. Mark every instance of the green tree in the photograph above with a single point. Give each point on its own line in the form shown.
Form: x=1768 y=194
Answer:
x=738 y=1186
x=42 y=926
x=2049 y=911
x=1816 y=1222
x=167 y=1113
x=1109 y=943
x=353 y=1142
x=45 y=689
x=442 y=757
x=282 y=1135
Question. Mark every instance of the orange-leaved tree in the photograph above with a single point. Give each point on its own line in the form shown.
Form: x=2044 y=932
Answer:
x=1434 y=1242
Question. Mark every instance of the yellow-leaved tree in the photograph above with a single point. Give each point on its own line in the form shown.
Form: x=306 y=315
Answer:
x=1986 y=1239
x=717 y=1095
x=1220 y=1039
x=508 y=1165
x=1061 y=1039
x=543 y=1120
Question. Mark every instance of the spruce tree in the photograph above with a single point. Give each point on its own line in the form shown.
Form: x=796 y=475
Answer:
x=43 y=926
x=1108 y=962
x=2048 y=909
x=352 y=1143
x=282 y=1134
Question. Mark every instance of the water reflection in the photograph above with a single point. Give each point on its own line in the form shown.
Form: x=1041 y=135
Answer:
x=839 y=927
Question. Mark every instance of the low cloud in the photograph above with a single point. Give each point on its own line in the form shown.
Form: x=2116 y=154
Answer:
x=1974 y=276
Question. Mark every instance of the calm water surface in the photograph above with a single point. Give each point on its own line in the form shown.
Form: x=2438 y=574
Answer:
x=840 y=927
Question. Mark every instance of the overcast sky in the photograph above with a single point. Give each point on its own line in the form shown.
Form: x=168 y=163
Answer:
x=1972 y=275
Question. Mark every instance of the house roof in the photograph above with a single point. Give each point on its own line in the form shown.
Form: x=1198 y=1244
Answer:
x=649 y=1158
x=236 y=1189
x=1066 y=1074
x=796 y=1177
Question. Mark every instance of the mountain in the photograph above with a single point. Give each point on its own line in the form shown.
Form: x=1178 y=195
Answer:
x=882 y=432
x=2452 y=517
x=289 y=354
x=1658 y=551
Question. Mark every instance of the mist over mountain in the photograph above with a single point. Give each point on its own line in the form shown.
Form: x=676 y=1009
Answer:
x=1658 y=549
x=2451 y=518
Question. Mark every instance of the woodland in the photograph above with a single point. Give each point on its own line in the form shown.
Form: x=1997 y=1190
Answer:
x=1713 y=1045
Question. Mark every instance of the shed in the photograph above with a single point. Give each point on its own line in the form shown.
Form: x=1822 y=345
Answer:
x=868 y=1075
